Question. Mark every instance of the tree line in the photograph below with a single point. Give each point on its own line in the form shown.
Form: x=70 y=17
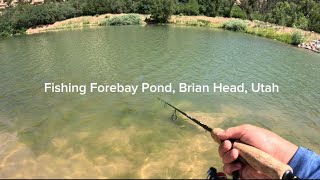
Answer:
x=304 y=14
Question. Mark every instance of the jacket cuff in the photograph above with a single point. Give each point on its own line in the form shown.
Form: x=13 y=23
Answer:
x=300 y=161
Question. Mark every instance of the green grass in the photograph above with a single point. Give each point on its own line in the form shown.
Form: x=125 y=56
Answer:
x=198 y=22
x=263 y=30
x=294 y=38
x=271 y=34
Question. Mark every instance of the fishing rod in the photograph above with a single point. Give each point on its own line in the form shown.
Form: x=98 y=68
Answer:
x=235 y=175
x=249 y=154
x=174 y=116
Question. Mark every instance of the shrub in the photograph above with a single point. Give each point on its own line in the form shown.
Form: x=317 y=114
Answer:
x=235 y=25
x=131 y=19
x=189 y=8
x=302 y=22
x=223 y=8
x=257 y=16
x=162 y=10
x=237 y=12
x=314 y=19
x=297 y=38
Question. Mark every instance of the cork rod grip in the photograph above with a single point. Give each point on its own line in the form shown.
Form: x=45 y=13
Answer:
x=258 y=159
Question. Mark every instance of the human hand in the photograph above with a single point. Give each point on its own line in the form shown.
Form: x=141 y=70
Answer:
x=260 y=138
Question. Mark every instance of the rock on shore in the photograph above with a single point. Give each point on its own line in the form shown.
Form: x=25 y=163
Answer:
x=313 y=45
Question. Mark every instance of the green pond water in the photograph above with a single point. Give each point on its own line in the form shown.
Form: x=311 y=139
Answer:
x=119 y=135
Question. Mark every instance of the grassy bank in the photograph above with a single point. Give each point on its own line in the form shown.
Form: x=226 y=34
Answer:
x=284 y=34
x=287 y=35
x=91 y=21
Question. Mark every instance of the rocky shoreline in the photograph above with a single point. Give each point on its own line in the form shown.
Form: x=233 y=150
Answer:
x=313 y=45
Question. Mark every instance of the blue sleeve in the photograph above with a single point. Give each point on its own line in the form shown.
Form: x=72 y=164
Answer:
x=305 y=164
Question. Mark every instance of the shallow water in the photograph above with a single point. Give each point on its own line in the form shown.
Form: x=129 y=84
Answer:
x=99 y=135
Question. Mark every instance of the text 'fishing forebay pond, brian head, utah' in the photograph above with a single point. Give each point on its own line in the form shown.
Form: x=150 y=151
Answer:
x=171 y=88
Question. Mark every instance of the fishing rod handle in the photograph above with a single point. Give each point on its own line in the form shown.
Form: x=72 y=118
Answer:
x=262 y=161
x=258 y=159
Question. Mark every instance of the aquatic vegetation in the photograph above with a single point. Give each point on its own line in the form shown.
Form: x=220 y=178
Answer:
x=130 y=19
x=235 y=25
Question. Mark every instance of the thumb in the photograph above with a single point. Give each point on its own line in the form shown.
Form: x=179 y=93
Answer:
x=214 y=135
x=232 y=133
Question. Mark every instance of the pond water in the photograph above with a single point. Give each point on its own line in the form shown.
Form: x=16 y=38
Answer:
x=119 y=135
